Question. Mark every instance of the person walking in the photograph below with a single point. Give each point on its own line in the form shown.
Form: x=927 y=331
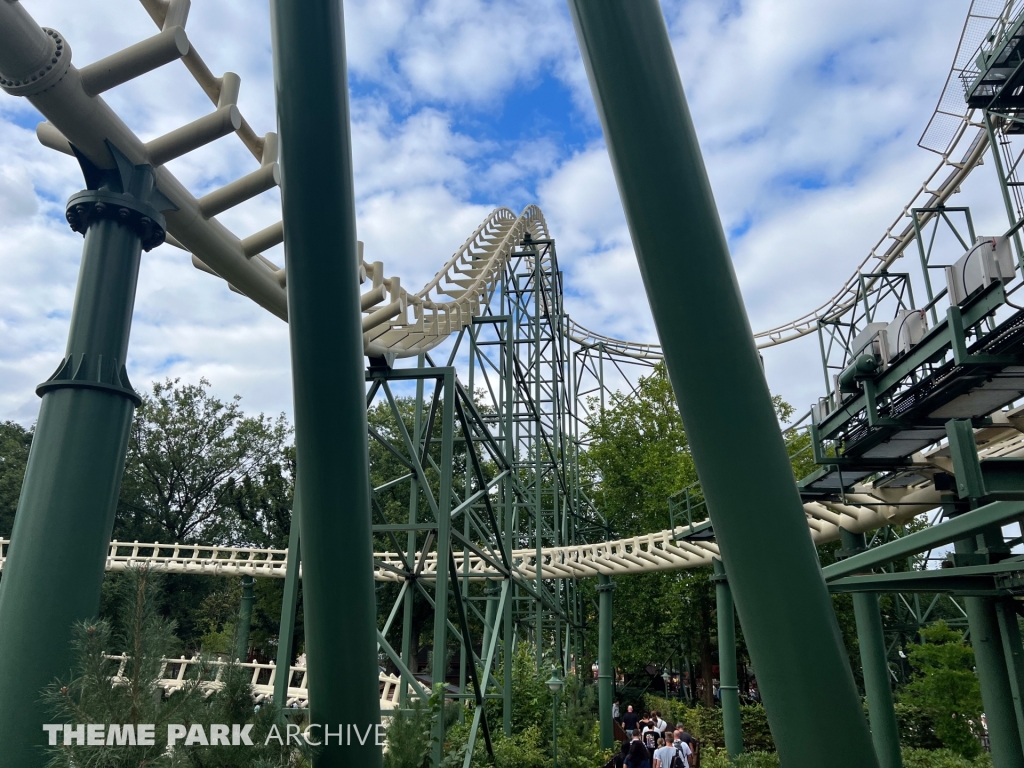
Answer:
x=619 y=758
x=663 y=755
x=661 y=725
x=615 y=711
x=638 y=756
x=629 y=721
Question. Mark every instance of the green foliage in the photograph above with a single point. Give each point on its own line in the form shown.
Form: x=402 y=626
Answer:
x=943 y=758
x=917 y=731
x=410 y=733
x=14 y=444
x=126 y=691
x=706 y=722
x=524 y=749
x=530 y=746
x=199 y=469
x=716 y=757
x=945 y=688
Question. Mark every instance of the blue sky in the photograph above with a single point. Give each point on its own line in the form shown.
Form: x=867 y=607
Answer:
x=808 y=114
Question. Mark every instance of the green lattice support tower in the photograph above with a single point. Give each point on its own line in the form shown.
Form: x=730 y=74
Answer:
x=814 y=710
x=65 y=516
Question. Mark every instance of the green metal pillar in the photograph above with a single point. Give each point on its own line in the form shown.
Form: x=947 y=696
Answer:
x=439 y=653
x=65 y=516
x=508 y=522
x=244 y=619
x=289 y=604
x=728 y=684
x=492 y=590
x=325 y=327
x=605 y=671
x=990 y=663
x=814 y=709
x=1013 y=651
x=875 y=665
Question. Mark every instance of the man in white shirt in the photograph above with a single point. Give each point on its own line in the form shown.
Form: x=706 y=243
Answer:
x=663 y=755
x=684 y=750
x=662 y=726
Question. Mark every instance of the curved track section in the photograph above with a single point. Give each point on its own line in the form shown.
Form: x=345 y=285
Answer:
x=866 y=509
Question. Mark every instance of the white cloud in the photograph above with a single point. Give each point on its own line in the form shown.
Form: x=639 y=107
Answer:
x=787 y=95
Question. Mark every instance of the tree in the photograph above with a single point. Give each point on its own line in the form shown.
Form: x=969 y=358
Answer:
x=945 y=688
x=200 y=470
x=14 y=445
x=637 y=458
x=127 y=692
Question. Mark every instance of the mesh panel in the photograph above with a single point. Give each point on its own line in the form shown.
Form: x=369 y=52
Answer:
x=984 y=17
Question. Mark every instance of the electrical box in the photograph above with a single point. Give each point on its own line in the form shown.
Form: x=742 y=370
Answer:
x=905 y=332
x=988 y=260
x=868 y=342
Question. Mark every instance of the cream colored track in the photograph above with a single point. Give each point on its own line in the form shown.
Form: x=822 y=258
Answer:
x=866 y=508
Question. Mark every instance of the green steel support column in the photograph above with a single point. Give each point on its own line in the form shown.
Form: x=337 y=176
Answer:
x=509 y=523
x=65 y=516
x=289 y=604
x=244 y=618
x=874 y=662
x=814 y=710
x=410 y=564
x=492 y=590
x=605 y=671
x=1004 y=737
x=727 y=662
x=1009 y=631
x=325 y=328
x=439 y=661
x=997 y=160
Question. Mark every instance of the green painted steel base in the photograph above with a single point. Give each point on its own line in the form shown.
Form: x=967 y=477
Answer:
x=605 y=670
x=729 y=685
x=65 y=516
x=318 y=203
x=814 y=710
x=874 y=662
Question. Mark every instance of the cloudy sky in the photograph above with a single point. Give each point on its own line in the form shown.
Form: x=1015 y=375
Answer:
x=808 y=112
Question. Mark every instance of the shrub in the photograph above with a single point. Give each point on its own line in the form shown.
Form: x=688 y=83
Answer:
x=706 y=723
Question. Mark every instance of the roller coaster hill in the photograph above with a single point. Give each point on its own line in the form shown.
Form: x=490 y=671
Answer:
x=917 y=440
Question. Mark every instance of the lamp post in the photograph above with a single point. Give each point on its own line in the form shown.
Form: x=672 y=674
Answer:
x=554 y=683
x=665 y=676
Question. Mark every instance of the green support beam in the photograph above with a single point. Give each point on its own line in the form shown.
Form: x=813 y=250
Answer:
x=990 y=663
x=814 y=710
x=605 y=670
x=289 y=605
x=996 y=513
x=325 y=327
x=1013 y=652
x=728 y=684
x=244 y=619
x=65 y=516
x=875 y=664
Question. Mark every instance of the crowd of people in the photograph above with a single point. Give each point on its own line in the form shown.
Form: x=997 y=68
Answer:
x=651 y=743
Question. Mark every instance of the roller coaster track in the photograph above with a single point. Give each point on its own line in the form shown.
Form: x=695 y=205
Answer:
x=865 y=509
x=77 y=116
